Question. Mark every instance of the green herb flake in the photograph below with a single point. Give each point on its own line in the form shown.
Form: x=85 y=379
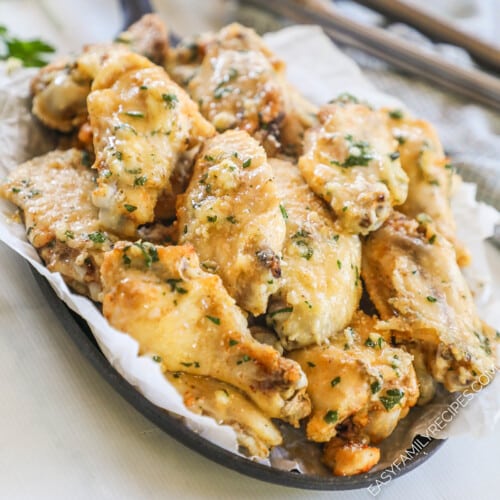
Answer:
x=212 y=218
x=15 y=190
x=281 y=311
x=209 y=158
x=156 y=359
x=244 y=359
x=97 y=237
x=247 y=163
x=130 y=208
x=69 y=234
x=140 y=181
x=375 y=386
x=170 y=99
x=213 y=319
x=392 y=398
x=331 y=417
x=233 y=342
x=231 y=219
x=149 y=252
x=30 y=52
x=311 y=364
x=86 y=161
x=394 y=156
x=335 y=381
x=396 y=114
x=283 y=211
x=431 y=299
x=174 y=285
x=339 y=264
x=432 y=239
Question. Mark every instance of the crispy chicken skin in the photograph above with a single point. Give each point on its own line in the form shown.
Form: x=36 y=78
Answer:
x=360 y=386
x=351 y=161
x=255 y=432
x=231 y=214
x=53 y=193
x=162 y=298
x=410 y=272
x=142 y=124
x=430 y=174
x=60 y=89
x=239 y=83
x=320 y=288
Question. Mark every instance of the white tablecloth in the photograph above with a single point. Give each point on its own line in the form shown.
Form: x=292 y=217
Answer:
x=66 y=434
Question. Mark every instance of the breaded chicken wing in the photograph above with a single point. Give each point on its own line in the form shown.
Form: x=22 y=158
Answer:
x=360 y=386
x=351 y=161
x=255 y=432
x=60 y=89
x=162 y=298
x=320 y=288
x=53 y=193
x=231 y=214
x=142 y=124
x=410 y=272
x=430 y=174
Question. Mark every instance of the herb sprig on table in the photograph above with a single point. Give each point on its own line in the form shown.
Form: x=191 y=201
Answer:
x=31 y=53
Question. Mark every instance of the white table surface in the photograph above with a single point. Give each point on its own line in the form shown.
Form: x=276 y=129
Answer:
x=66 y=434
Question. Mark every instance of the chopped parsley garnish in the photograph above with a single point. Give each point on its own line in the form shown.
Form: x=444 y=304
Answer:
x=134 y=114
x=130 y=208
x=397 y=114
x=97 y=237
x=231 y=219
x=149 y=252
x=247 y=163
x=302 y=233
x=213 y=319
x=118 y=155
x=244 y=359
x=375 y=386
x=70 y=235
x=174 y=285
x=306 y=251
x=209 y=158
x=331 y=417
x=125 y=258
x=233 y=342
x=359 y=154
x=484 y=342
x=432 y=239
x=394 y=156
x=15 y=190
x=140 y=181
x=345 y=98
x=430 y=298
x=339 y=264
x=157 y=359
x=335 y=381
x=194 y=363
x=311 y=364
x=144 y=87
x=283 y=211
x=86 y=161
x=392 y=398
x=309 y=305
x=170 y=99
x=401 y=139
x=212 y=218
x=280 y=311
x=30 y=52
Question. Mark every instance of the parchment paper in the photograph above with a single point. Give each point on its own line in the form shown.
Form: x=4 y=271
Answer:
x=320 y=72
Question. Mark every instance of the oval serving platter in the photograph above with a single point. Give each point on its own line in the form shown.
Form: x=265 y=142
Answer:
x=78 y=330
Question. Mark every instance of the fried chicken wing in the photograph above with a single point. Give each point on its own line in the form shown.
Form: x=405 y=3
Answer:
x=142 y=123
x=231 y=214
x=162 y=298
x=360 y=386
x=410 y=272
x=60 y=89
x=320 y=289
x=239 y=83
x=430 y=174
x=53 y=192
x=351 y=161
x=204 y=395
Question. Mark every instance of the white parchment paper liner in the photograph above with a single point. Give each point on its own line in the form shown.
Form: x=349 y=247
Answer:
x=320 y=71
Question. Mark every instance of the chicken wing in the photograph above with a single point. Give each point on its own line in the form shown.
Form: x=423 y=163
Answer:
x=320 y=289
x=142 y=123
x=60 y=89
x=231 y=214
x=410 y=272
x=430 y=174
x=360 y=386
x=255 y=432
x=53 y=192
x=351 y=161
x=162 y=298
x=239 y=83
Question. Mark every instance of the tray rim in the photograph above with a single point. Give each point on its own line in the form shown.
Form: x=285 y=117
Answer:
x=80 y=333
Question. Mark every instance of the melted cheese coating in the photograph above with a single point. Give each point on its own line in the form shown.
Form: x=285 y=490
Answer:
x=231 y=214
x=321 y=288
x=142 y=124
x=352 y=163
